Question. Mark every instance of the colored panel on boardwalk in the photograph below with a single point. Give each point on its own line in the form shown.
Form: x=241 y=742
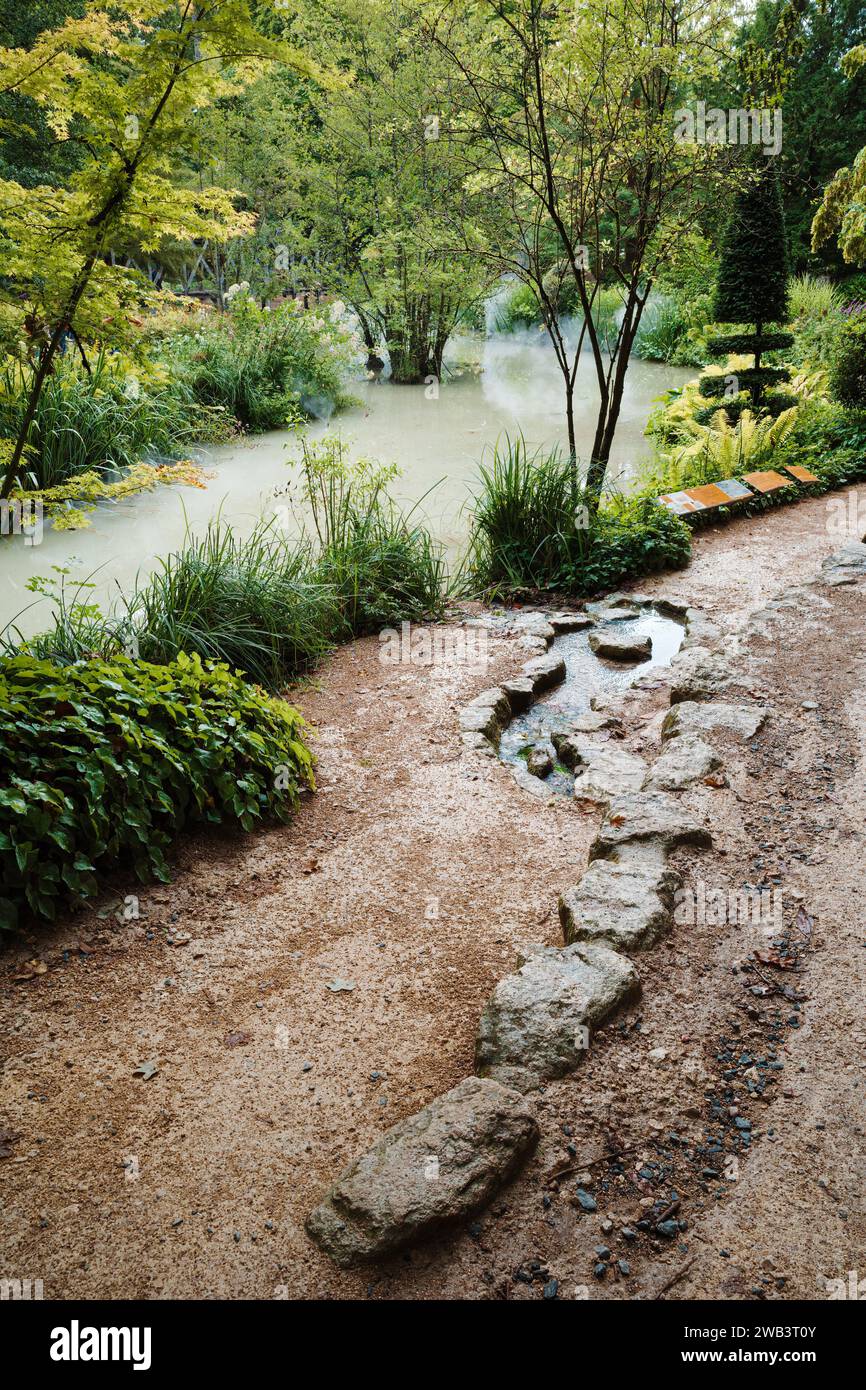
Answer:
x=680 y=503
x=802 y=474
x=770 y=481
x=709 y=496
x=734 y=491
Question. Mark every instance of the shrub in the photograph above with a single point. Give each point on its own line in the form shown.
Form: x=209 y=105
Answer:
x=534 y=526
x=816 y=317
x=848 y=372
x=380 y=567
x=102 y=423
x=268 y=368
x=661 y=331
x=106 y=761
x=253 y=603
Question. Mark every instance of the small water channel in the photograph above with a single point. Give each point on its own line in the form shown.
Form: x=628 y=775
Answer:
x=587 y=676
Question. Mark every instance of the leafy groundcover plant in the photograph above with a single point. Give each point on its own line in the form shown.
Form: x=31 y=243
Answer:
x=107 y=760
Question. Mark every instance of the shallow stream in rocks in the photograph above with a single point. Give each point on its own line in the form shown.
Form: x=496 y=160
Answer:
x=587 y=676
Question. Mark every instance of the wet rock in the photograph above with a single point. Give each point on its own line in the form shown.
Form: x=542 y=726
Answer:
x=520 y=691
x=539 y=760
x=647 y=816
x=429 y=1172
x=685 y=759
x=620 y=646
x=624 y=905
x=495 y=699
x=545 y=671
x=699 y=674
x=692 y=717
x=571 y=622
x=592 y=722
x=607 y=771
x=537 y=1023
x=480 y=719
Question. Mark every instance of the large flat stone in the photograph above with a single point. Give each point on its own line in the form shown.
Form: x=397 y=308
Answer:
x=571 y=622
x=538 y=1022
x=613 y=645
x=520 y=692
x=480 y=719
x=699 y=674
x=624 y=905
x=429 y=1172
x=607 y=771
x=691 y=717
x=545 y=671
x=684 y=760
x=651 y=817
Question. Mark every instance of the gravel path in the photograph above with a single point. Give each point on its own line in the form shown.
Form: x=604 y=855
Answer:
x=328 y=976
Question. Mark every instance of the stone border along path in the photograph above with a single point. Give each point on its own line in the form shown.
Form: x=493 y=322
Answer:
x=440 y=1166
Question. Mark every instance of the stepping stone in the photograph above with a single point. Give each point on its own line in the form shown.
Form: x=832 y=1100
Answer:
x=617 y=646
x=700 y=632
x=699 y=674
x=571 y=622
x=685 y=760
x=430 y=1172
x=538 y=1022
x=480 y=719
x=607 y=771
x=689 y=717
x=624 y=905
x=545 y=671
x=534 y=785
x=539 y=761
x=648 y=816
x=495 y=699
x=520 y=691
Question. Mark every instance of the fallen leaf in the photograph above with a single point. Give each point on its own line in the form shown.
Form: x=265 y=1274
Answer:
x=337 y=986
x=146 y=1070
x=30 y=971
x=805 y=923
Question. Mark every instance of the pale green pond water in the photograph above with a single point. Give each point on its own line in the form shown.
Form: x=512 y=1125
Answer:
x=512 y=383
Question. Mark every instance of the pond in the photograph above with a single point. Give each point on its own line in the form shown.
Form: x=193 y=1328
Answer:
x=504 y=383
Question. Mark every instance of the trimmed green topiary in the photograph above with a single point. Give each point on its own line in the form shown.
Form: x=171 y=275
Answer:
x=107 y=760
x=752 y=287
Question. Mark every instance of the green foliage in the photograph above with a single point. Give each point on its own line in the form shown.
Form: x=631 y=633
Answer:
x=380 y=567
x=106 y=761
x=662 y=331
x=848 y=373
x=816 y=316
x=268 y=368
x=752 y=285
x=253 y=603
x=824 y=114
x=102 y=422
x=535 y=526
x=377 y=192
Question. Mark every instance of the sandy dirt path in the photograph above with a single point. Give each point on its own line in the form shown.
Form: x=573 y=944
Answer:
x=414 y=875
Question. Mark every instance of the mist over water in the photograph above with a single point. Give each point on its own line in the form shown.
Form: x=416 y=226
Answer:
x=506 y=383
